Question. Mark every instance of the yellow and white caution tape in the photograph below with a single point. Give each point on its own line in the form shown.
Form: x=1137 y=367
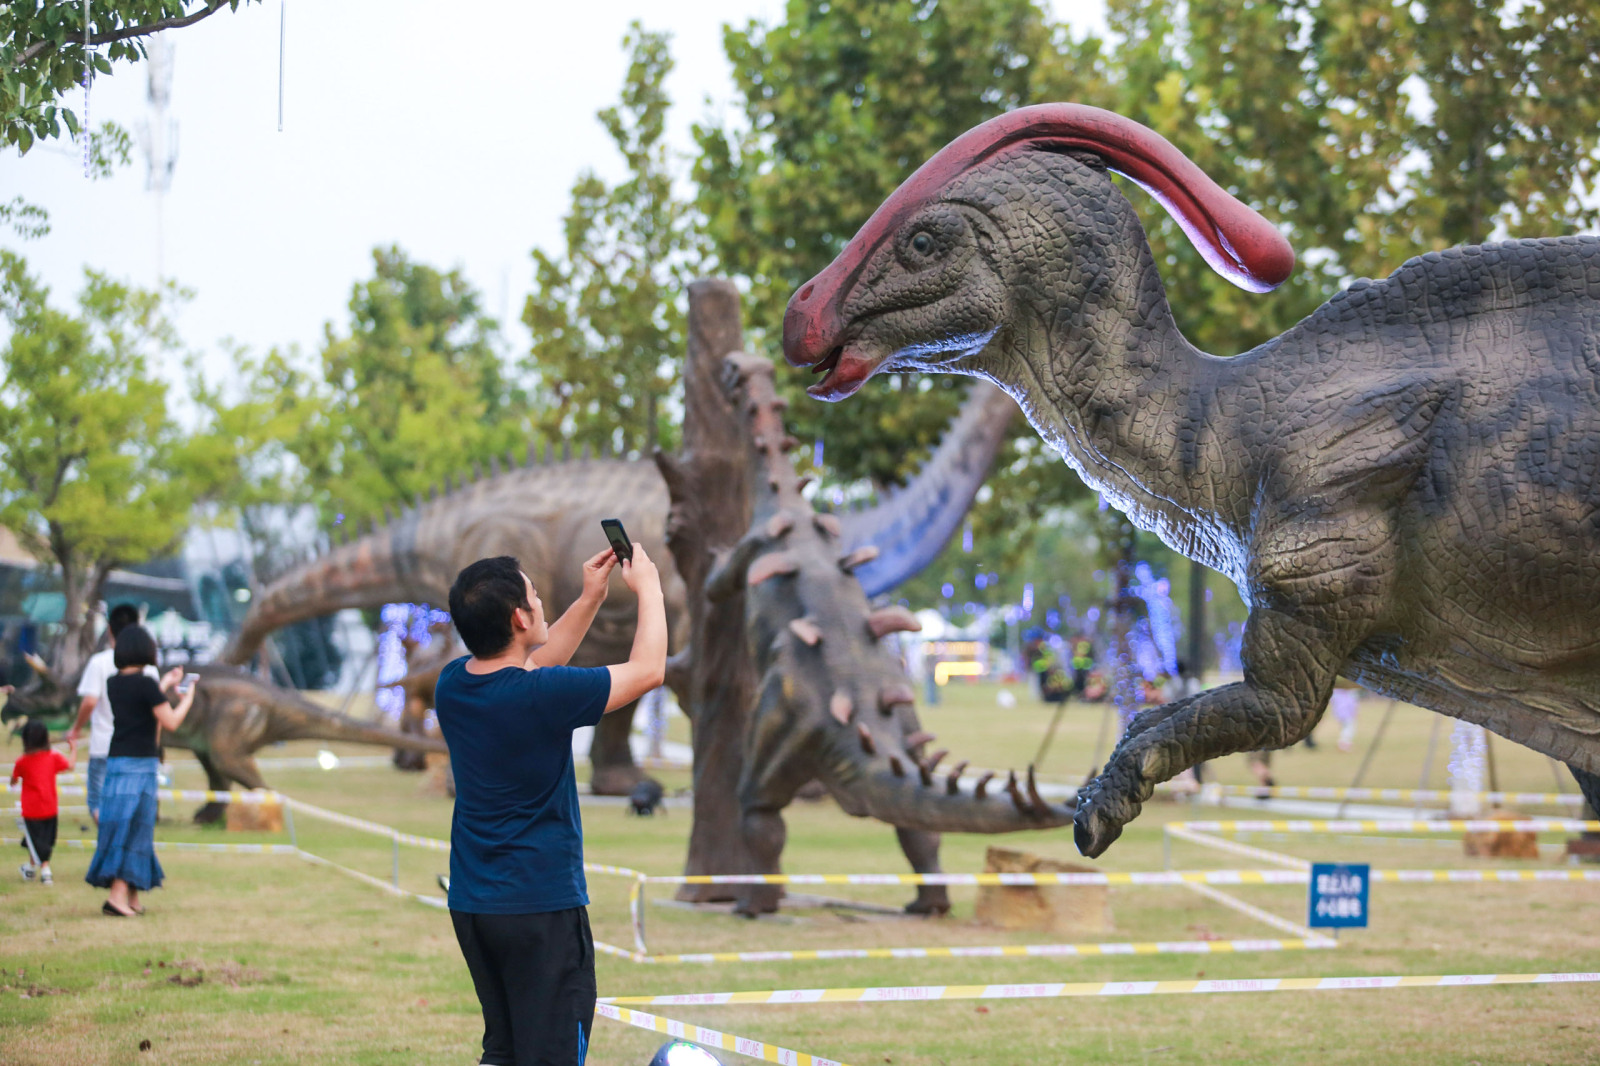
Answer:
x=351 y=822
x=183 y=845
x=928 y=993
x=699 y=1034
x=1233 y=847
x=393 y=890
x=1004 y=951
x=1296 y=876
x=1453 y=825
x=1393 y=795
x=197 y=795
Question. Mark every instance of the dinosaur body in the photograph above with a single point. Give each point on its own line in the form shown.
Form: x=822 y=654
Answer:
x=1404 y=487
x=547 y=514
x=234 y=715
x=834 y=704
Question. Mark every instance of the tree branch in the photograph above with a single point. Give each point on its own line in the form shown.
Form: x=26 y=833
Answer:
x=39 y=48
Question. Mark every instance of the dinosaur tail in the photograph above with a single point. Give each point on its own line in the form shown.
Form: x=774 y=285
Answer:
x=909 y=793
x=912 y=526
x=328 y=726
x=371 y=570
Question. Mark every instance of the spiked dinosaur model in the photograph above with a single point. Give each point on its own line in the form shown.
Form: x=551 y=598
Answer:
x=834 y=704
x=1405 y=486
x=234 y=715
x=547 y=515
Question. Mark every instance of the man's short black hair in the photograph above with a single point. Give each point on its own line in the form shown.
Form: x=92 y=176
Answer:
x=482 y=600
x=121 y=617
x=135 y=647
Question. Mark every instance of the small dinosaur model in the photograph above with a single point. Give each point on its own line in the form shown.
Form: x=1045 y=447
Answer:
x=1404 y=487
x=546 y=513
x=834 y=704
x=234 y=715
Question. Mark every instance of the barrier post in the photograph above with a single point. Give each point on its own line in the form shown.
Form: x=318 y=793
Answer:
x=636 y=912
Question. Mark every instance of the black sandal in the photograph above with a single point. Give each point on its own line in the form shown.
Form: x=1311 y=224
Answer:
x=111 y=911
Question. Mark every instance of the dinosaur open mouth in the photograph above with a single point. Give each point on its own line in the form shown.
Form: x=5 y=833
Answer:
x=843 y=372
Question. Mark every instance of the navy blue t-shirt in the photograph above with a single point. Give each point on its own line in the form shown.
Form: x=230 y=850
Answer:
x=516 y=841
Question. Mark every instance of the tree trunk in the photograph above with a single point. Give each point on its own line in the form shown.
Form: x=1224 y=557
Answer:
x=711 y=510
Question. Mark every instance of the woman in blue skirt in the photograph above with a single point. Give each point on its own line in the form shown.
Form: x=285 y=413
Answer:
x=125 y=852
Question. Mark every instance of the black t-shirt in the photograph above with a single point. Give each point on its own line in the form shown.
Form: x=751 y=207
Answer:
x=134 y=698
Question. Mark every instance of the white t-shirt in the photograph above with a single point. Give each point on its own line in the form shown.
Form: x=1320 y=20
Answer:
x=99 y=670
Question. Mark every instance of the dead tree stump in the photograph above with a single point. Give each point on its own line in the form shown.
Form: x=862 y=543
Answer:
x=711 y=510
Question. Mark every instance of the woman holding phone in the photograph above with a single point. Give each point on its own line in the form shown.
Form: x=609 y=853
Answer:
x=124 y=854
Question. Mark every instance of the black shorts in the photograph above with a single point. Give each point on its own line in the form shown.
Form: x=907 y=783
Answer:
x=534 y=974
x=42 y=831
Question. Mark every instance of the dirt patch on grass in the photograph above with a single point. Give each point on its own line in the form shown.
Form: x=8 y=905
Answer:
x=190 y=972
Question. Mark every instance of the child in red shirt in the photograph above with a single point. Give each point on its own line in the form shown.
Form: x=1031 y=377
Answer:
x=37 y=769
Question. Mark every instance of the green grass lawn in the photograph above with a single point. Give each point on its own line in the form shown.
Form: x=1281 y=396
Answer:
x=297 y=963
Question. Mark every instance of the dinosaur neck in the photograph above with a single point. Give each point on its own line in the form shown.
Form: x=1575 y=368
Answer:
x=911 y=527
x=1115 y=387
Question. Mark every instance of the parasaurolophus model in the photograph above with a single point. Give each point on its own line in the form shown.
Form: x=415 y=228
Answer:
x=235 y=714
x=547 y=514
x=833 y=703
x=1405 y=487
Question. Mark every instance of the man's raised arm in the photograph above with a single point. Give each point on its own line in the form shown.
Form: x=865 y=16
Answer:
x=646 y=667
x=568 y=631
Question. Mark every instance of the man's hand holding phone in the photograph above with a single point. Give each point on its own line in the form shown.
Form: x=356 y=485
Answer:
x=597 y=576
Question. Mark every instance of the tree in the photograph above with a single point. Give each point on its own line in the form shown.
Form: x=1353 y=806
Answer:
x=415 y=392
x=94 y=473
x=607 y=316
x=42 y=58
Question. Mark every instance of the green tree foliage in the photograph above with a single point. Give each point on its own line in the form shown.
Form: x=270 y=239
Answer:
x=42 y=59
x=94 y=473
x=607 y=316
x=413 y=393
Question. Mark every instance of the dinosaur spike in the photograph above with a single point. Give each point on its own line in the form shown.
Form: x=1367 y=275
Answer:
x=779 y=524
x=982 y=789
x=896 y=767
x=925 y=772
x=896 y=619
x=1040 y=805
x=864 y=554
x=919 y=738
x=897 y=693
x=952 y=783
x=807 y=630
x=771 y=565
x=841 y=707
x=827 y=523
x=865 y=735
x=936 y=758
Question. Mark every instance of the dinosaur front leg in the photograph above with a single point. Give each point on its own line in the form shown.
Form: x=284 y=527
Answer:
x=1290 y=665
x=922 y=851
x=612 y=771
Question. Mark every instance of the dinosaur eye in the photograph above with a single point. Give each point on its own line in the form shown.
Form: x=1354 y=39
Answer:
x=922 y=243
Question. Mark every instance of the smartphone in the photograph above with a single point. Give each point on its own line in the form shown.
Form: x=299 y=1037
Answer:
x=188 y=682
x=618 y=538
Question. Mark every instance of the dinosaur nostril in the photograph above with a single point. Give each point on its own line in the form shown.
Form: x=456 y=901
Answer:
x=805 y=293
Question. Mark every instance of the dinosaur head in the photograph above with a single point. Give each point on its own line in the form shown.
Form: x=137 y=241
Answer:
x=47 y=695
x=924 y=285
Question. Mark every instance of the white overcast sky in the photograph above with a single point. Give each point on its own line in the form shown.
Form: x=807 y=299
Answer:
x=453 y=131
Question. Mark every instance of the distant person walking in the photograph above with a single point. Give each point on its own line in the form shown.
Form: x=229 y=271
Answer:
x=125 y=853
x=95 y=708
x=518 y=898
x=37 y=770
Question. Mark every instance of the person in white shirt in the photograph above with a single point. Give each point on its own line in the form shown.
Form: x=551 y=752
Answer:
x=95 y=708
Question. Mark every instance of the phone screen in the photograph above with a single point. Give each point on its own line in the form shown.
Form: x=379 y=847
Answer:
x=618 y=538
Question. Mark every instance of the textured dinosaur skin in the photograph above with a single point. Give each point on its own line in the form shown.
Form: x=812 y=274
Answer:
x=547 y=515
x=834 y=704
x=1405 y=487
x=234 y=715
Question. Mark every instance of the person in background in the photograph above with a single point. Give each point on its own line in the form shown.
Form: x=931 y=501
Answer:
x=125 y=852
x=93 y=706
x=37 y=770
x=517 y=895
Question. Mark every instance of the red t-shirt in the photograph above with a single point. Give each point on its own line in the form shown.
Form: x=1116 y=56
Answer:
x=38 y=771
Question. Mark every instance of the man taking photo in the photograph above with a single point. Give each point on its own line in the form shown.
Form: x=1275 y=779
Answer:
x=518 y=899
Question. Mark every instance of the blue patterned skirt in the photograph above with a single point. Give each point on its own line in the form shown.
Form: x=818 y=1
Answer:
x=125 y=848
